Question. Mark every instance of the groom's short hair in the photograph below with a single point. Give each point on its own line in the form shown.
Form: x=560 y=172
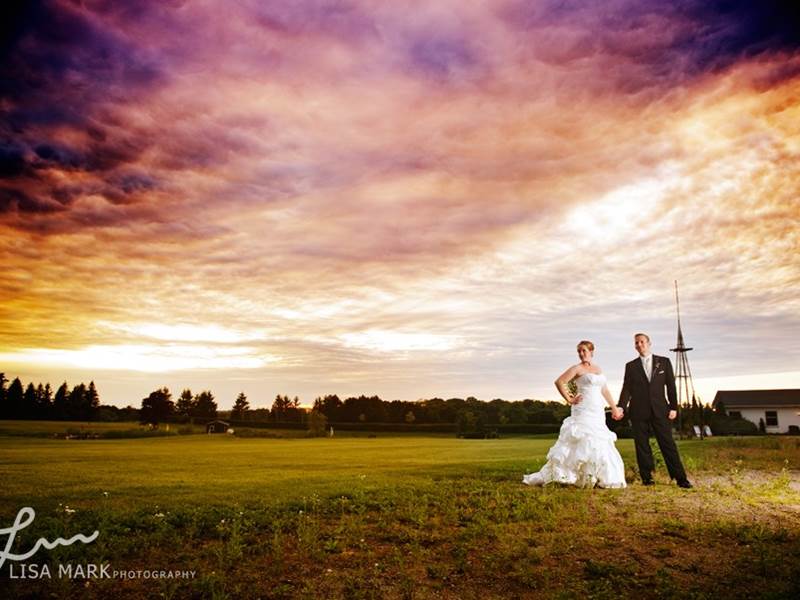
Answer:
x=644 y=335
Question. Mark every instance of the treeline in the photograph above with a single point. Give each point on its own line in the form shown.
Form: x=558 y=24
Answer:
x=372 y=409
x=81 y=403
x=469 y=414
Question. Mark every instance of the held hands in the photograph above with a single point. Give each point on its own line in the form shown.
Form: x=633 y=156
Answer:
x=672 y=414
x=617 y=413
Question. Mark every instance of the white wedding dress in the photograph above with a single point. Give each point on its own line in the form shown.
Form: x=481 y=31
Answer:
x=584 y=454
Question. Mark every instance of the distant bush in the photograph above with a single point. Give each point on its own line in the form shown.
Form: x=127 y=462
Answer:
x=317 y=424
x=249 y=432
x=117 y=434
x=237 y=423
x=490 y=434
x=725 y=425
x=396 y=427
x=73 y=433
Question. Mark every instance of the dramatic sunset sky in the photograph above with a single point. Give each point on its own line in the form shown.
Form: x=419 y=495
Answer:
x=409 y=199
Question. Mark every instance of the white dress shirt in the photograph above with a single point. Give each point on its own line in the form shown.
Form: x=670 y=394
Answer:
x=647 y=363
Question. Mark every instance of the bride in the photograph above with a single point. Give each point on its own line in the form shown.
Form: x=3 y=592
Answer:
x=584 y=454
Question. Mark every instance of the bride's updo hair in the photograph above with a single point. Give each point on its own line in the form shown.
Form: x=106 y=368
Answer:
x=586 y=343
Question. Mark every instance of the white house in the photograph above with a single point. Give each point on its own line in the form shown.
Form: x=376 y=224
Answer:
x=779 y=409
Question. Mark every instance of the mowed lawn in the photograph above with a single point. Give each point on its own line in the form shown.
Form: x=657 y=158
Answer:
x=400 y=517
x=227 y=469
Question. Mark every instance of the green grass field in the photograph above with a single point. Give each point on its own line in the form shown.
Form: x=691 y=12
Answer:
x=397 y=517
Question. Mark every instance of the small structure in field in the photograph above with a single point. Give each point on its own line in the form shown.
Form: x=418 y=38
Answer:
x=217 y=427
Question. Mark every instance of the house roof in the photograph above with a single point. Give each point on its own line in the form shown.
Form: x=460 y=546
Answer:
x=745 y=398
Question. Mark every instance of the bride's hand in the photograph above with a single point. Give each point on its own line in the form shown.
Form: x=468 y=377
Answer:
x=617 y=413
x=576 y=398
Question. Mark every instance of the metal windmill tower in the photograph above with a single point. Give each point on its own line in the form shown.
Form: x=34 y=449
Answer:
x=683 y=373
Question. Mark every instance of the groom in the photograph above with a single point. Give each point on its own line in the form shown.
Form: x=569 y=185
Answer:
x=643 y=388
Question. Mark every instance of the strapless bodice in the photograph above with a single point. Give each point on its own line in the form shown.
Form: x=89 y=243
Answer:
x=589 y=380
x=590 y=386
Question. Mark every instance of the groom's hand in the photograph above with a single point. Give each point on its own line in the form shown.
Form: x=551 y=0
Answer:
x=617 y=413
x=672 y=414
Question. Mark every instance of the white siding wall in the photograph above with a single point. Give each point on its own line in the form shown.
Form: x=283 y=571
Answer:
x=786 y=417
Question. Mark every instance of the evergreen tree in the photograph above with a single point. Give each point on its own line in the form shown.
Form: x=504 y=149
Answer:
x=76 y=403
x=29 y=402
x=44 y=401
x=240 y=407
x=92 y=402
x=15 y=399
x=185 y=404
x=60 y=402
x=157 y=407
x=205 y=406
x=280 y=407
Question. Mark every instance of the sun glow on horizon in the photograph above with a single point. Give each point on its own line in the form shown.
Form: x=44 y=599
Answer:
x=146 y=358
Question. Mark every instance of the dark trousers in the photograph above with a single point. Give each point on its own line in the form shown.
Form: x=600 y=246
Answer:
x=644 y=455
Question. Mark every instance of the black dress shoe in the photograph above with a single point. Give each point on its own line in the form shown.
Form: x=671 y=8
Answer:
x=685 y=484
x=648 y=482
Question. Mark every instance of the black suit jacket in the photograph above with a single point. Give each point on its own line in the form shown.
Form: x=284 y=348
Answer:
x=642 y=399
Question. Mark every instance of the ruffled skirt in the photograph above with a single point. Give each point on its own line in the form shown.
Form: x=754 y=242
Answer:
x=584 y=456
